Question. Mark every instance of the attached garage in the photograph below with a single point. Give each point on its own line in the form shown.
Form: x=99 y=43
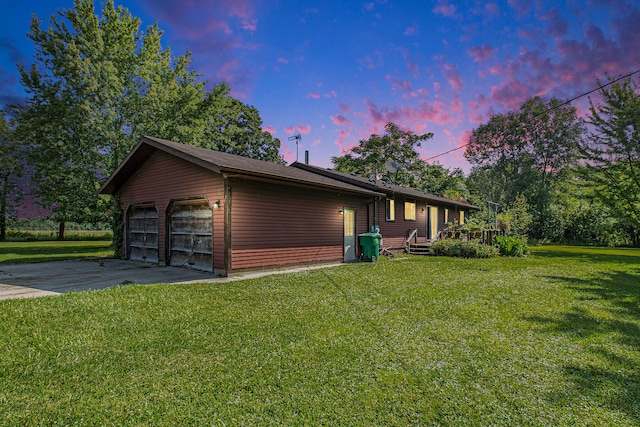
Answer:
x=142 y=227
x=191 y=234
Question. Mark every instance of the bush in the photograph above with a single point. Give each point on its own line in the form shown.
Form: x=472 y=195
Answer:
x=511 y=245
x=462 y=249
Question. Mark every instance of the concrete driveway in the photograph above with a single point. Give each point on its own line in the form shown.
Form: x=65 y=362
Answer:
x=58 y=277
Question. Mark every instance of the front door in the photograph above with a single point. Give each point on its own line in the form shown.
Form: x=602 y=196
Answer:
x=432 y=222
x=349 y=235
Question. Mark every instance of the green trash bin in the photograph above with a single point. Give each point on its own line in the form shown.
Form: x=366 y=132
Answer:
x=370 y=244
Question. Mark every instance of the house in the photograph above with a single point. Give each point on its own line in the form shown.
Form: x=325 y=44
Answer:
x=403 y=214
x=203 y=209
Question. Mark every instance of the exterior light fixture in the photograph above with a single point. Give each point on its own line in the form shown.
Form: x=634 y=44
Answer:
x=216 y=204
x=341 y=212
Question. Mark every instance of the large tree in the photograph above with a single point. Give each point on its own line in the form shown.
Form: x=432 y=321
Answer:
x=96 y=86
x=525 y=152
x=11 y=163
x=370 y=156
x=611 y=153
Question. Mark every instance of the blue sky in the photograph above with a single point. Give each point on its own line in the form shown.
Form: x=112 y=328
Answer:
x=337 y=71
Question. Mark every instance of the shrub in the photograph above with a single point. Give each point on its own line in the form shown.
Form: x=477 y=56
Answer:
x=511 y=245
x=462 y=249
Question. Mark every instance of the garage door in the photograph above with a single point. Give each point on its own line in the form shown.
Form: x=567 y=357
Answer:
x=190 y=243
x=143 y=234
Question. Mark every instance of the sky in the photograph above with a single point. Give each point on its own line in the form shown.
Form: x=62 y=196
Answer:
x=336 y=71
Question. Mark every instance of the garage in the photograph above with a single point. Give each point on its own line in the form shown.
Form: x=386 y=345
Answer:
x=190 y=235
x=143 y=233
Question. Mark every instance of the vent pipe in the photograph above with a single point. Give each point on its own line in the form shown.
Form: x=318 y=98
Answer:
x=306 y=157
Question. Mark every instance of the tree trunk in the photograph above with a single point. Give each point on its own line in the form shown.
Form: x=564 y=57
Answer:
x=3 y=209
x=61 y=230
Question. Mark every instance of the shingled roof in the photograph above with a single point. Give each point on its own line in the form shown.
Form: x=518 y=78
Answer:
x=222 y=163
x=380 y=186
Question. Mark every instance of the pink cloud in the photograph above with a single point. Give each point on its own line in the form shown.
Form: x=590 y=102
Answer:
x=345 y=108
x=453 y=77
x=269 y=129
x=522 y=7
x=316 y=142
x=283 y=60
x=314 y=95
x=340 y=141
x=410 y=31
x=492 y=9
x=402 y=85
x=444 y=8
x=289 y=129
x=304 y=129
x=332 y=94
x=481 y=53
x=427 y=112
x=340 y=120
x=288 y=155
x=557 y=27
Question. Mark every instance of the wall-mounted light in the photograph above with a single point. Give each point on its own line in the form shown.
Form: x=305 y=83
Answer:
x=423 y=209
x=216 y=204
x=341 y=212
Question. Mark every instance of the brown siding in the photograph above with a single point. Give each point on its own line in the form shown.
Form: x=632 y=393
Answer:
x=395 y=233
x=163 y=178
x=277 y=224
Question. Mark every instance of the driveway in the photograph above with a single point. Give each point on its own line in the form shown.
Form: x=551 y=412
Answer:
x=58 y=277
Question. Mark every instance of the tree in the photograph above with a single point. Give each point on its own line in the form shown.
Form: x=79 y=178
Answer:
x=525 y=152
x=611 y=153
x=97 y=86
x=370 y=155
x=10 y=170
x=517 y=217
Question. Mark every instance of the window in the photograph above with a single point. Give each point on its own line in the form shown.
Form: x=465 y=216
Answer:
x=446 y=215
x=410 y=211
x=391 y=210
x=461 y=217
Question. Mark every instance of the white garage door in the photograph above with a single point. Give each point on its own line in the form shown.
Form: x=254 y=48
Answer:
x=143 y=234
x=191 y=243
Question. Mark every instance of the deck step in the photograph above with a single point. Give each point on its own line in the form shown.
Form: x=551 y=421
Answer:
x=419 y=248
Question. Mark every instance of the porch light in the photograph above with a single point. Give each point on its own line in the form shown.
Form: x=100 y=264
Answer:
x=341 y=212
x=216 y=204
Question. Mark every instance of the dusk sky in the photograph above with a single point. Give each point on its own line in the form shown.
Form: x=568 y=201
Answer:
x=337 y=71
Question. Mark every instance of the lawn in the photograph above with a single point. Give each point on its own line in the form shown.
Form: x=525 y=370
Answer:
x=41 y=251
x=548 y=340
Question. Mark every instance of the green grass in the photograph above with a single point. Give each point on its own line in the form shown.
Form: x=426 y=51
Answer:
x=28 y=252
x=548 y=340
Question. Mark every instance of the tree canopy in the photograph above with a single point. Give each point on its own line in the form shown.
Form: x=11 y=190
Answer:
x=525 y=152
x=97 y=85
x=11 y=162
x=370 y=157
x=611 y=153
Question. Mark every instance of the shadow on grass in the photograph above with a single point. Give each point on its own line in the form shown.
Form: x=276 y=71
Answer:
x=615 y=295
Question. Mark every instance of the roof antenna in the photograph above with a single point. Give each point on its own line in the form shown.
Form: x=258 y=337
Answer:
x=298 y=138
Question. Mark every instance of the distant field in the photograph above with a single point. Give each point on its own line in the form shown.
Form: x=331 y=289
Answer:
x=23 y=235
x=52 y=250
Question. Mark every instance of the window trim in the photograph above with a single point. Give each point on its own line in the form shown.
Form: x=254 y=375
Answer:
x=415 y=215
x=390 y=209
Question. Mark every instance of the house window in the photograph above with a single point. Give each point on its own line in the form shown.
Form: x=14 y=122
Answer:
x=410 y=211
x=391 y=210
x=461 y=217
x=446 y=216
